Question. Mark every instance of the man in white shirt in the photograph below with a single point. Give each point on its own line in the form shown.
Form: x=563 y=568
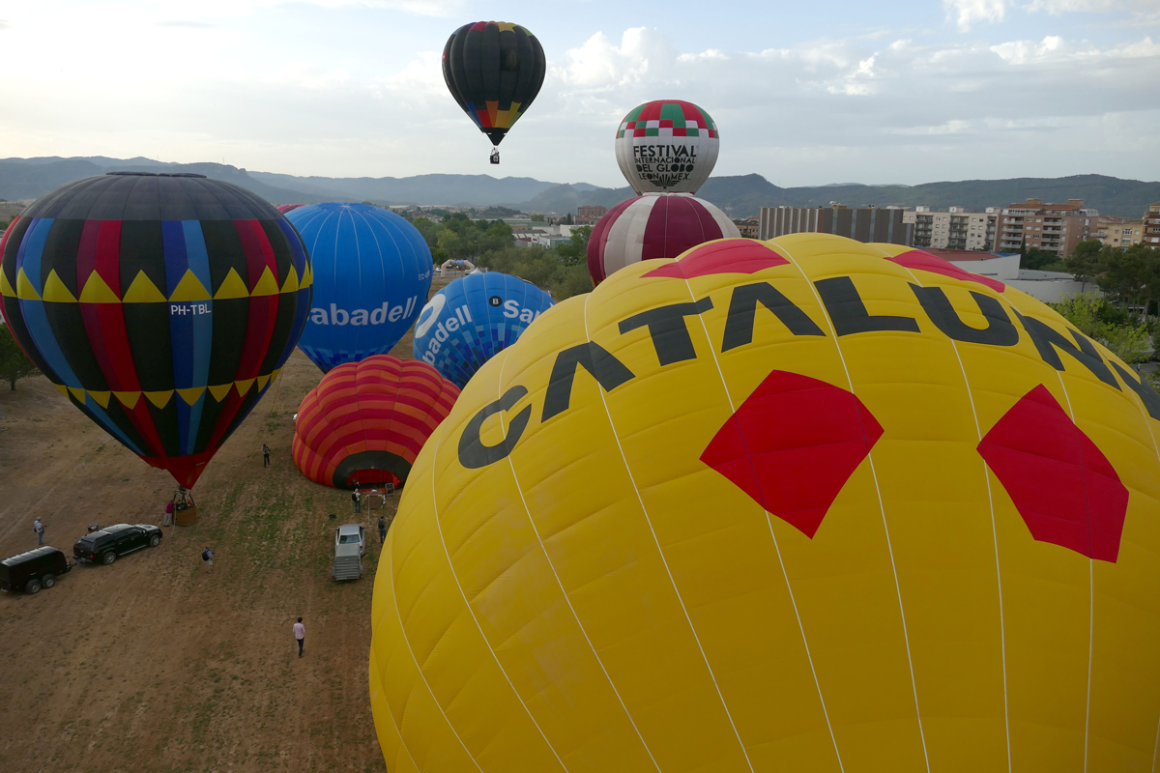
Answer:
x=300 y=635
x=38 y=527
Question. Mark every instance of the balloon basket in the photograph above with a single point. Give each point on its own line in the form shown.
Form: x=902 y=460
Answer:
x=185 y=512
x=185 y=517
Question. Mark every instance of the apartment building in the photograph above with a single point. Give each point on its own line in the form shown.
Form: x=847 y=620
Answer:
x=1116 y=231
x=1052 y=227
x=749 y=228
x=590 y=215
x=1152 y=226
x=955 y=229
x=870 y=224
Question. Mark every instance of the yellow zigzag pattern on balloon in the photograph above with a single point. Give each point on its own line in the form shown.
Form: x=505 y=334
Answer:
x=161 y=398
x=24 y=289
x=142 y=290
x=96 y=291
x=189 y=288
x=55 y=290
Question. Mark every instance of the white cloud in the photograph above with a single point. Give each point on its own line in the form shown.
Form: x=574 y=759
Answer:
x=967 y=12
x=1057 y=7
x=192 y=25
x=600 y=65
x=211 y=8
x=1024 y=51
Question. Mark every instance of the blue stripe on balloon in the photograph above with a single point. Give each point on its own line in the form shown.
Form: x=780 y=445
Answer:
x=474 y=115
x=198 y=255
x=28 y=258
x=32 y=249
x=188 y=421
x=298 y=254
x=191 y=335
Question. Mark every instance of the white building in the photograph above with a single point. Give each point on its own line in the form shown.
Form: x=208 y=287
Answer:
x=955 y=229
x=1046 y=286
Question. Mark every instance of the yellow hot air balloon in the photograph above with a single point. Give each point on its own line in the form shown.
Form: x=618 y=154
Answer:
x=801 y=505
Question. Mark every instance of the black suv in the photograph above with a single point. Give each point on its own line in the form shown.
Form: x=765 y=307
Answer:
x=112 y=542
x=33 y=570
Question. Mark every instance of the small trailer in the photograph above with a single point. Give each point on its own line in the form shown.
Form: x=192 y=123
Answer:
x=33 y=570
x=350 y=544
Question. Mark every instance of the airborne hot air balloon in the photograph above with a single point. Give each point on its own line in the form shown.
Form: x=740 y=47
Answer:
x=808 y=505
x=469 y=320
x=372 y=273
x=656 y=225
x=494 y=70
x=667 y=146
x=163 y=306
x=366 y=421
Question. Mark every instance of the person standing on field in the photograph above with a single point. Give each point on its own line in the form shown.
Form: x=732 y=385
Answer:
x=382 y=530
x=38 y=527
x=300 y=635
x=265 y=455
x=207 y=557
x=357 y=499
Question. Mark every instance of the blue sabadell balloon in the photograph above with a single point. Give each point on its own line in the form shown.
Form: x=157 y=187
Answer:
x=470 y=320
x=372 y=272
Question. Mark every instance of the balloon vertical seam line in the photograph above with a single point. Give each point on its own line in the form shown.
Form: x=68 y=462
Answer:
x=881 y=505
x=1091 y=581
x=994 y=532
x=1156 y=747
x=382 y=265
x=418 y=665
x=398 y=729
x=664 y=561
x=567 y=598
x=1152 y=435
x=776 y=546
x=350 y=212
x=470 y=611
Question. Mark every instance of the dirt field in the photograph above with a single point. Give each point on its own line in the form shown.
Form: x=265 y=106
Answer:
x=155 y=663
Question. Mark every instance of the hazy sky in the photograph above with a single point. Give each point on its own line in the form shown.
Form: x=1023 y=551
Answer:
x=810 y=93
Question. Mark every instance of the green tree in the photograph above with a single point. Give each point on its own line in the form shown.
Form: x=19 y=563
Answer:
x=1040 y=260
x=1132 y=276
x=1111 y=326
x=1084 y=262
x=13 y=364
x=575 y=251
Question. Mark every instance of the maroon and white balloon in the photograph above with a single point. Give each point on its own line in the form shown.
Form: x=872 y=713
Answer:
x=656 y=225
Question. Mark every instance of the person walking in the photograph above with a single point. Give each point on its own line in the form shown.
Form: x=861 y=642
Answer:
x=265 y=455
x=382 y=530
x=357 y=499
x=170 y=506
x=300 y=635
x=207 y=557
x=38 y=527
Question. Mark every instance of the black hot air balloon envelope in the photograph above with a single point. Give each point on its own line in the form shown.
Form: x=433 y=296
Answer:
x=494 y=70
x=162 y=306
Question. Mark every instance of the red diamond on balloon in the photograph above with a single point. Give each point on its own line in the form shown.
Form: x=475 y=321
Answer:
x=792 y=445
x=1061 y=483
x=739 y=256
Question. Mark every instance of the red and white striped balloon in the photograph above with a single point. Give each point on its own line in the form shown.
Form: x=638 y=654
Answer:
x=655 y=225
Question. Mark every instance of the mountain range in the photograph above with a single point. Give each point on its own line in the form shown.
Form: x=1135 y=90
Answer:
x=740 y=196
